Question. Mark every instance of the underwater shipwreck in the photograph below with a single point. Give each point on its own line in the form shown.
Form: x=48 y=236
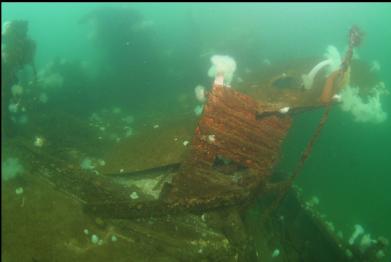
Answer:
x=186 y=187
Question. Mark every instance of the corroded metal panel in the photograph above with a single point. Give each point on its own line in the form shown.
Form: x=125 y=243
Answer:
x=229 y=130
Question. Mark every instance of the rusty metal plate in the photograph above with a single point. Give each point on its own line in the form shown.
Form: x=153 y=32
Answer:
x=228 y=130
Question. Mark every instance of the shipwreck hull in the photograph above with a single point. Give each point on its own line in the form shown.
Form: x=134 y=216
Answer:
x=234 y=146
x=230 y=158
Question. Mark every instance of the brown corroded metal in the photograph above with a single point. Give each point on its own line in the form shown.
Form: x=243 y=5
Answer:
x=229 y=130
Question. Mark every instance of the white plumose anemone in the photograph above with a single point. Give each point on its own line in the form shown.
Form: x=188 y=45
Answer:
x=222 y=65
x=370 y=111
x=332 y=54
x=332 y=63
x=366 y=242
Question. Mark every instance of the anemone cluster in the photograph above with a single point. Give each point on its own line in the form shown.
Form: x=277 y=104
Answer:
x=369 y=111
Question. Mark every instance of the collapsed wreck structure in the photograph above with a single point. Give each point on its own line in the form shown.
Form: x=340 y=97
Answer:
x=224 y=173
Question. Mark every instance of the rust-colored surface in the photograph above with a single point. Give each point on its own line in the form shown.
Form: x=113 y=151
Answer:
x=228 y=129
x=230 y=117
x=329 y=88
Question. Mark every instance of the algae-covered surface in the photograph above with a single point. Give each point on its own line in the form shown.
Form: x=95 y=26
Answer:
x=52 y=226
x=158 y=144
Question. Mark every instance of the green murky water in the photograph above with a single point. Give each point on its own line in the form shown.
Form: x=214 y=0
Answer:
x=121 y=67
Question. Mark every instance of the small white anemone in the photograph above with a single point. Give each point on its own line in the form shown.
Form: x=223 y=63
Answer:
x=13 y=107
x=39 y=141
x=19 y=190
x=284 y=110
x=211 y=138
x=198 y=110
x=94 y=239
x=337 y=98
x=200 y=93
x=314 y=201
x=276 y=253
x=366 y=242
x=358 y=230
x=87 y=164
x=134 y=195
